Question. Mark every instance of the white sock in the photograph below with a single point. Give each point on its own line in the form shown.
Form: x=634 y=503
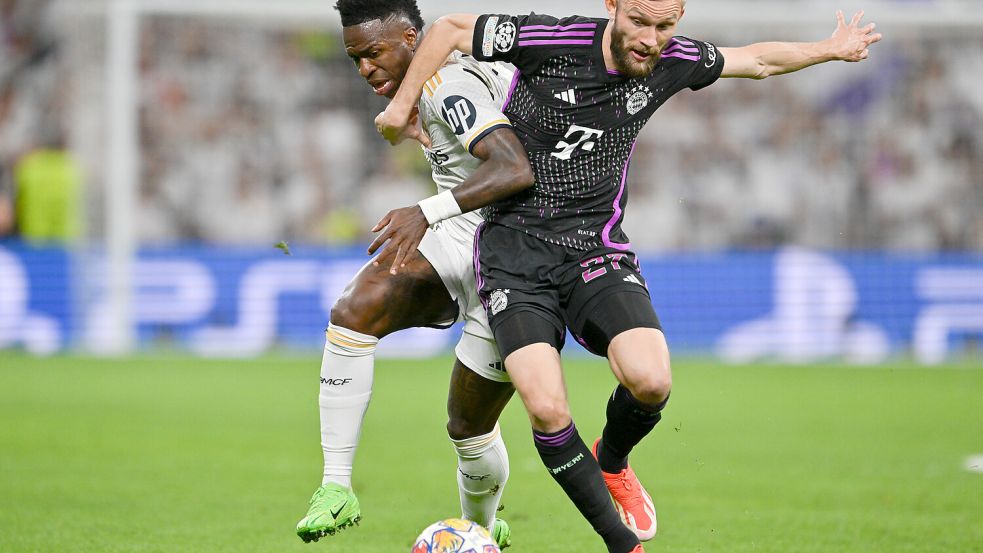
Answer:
x=482 y=471
x=346 y=387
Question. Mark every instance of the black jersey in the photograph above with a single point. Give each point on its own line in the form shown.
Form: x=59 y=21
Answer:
x=578 y=121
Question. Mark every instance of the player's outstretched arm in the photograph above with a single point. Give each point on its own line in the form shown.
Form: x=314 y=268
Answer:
x=504 y=171
x=449 y=33
x=850 y=42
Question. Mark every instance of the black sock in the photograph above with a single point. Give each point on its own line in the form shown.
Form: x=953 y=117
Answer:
x=573 y=467
x=629 y=420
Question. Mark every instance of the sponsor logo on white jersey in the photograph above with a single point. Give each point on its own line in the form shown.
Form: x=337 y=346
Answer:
x=459 y=113
x=437 y=160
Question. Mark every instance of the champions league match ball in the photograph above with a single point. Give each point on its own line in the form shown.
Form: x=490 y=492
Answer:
x=455 y=535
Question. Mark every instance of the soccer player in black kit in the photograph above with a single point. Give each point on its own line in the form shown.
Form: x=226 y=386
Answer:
x=554 y=257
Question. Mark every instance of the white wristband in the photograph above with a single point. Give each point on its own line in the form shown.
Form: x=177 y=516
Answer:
x=439 y=207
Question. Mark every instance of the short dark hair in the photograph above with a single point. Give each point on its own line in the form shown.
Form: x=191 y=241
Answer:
x=356 y=12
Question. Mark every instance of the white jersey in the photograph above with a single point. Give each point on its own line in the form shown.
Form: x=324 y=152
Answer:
x=460 y=105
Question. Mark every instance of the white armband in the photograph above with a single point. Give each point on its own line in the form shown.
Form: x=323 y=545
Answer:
x=439 y=207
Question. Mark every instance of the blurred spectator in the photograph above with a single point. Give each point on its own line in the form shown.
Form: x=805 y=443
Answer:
x=48 y=184
x=248 y=216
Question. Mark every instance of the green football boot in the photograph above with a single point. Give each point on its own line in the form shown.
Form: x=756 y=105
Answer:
x=501 y=533
x=333 y=508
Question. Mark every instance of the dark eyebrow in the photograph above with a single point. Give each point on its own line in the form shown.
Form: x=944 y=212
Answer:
x=352 y=50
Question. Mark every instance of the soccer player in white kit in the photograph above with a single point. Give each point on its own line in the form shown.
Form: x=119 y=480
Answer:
x=469 y=140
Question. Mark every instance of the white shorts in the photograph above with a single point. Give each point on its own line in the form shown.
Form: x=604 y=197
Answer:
x=449 y=247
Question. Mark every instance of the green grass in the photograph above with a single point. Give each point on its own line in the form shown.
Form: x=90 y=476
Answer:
x=181 y=454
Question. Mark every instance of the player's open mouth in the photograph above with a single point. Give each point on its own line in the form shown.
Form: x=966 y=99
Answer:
x=382 y=88
x=639 y=57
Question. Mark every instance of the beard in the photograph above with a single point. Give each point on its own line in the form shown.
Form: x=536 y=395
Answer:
x=623 y=60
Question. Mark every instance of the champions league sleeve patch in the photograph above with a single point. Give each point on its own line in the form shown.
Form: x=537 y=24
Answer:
x=459 y=113
x=505 y=36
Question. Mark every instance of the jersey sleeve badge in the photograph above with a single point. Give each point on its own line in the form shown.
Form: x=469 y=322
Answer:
x=505 y=36
x=488 y=39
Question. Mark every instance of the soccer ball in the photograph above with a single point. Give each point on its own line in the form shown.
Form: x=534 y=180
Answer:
x=455 y=535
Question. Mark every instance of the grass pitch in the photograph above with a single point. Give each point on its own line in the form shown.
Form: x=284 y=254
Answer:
x=180 y=454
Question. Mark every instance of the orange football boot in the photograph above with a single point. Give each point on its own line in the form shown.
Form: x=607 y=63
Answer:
x=632 y=501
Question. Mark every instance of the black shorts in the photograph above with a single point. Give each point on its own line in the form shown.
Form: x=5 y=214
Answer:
x=533 y=291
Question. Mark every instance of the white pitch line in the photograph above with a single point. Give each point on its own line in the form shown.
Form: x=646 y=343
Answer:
x=974 y=463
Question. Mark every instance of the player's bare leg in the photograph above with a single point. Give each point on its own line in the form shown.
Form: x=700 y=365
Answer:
x=474 y=404
x=378 y=303
x=639 y=359
x=537 y=376
x=374 y=304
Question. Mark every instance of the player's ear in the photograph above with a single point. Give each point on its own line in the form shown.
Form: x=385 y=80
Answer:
x=412 y=37
x=611 y=6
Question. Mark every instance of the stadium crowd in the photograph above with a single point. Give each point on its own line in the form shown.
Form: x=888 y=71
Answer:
x=251 y=134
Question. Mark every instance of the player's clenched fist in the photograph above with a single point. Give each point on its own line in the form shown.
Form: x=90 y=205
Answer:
x=396 y=124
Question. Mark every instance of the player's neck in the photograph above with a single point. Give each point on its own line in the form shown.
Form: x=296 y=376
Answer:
x=606 y=47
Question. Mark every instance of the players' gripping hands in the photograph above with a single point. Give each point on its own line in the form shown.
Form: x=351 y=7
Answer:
x=403 y=228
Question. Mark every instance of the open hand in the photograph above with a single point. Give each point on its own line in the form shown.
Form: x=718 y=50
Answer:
x=403 y=228
x=851 y=41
